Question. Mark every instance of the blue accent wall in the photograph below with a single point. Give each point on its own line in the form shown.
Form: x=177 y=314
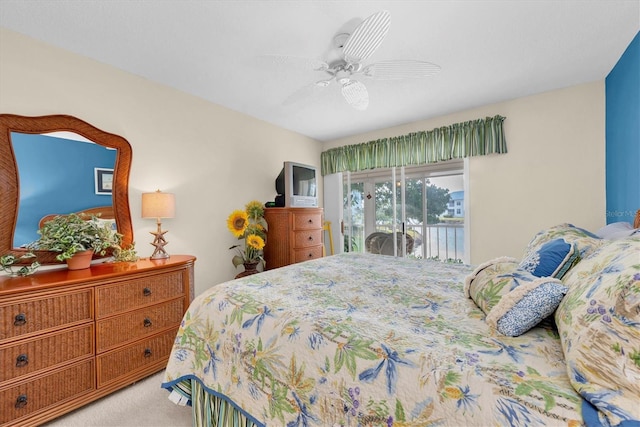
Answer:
x=623 y=136
x=56 y=176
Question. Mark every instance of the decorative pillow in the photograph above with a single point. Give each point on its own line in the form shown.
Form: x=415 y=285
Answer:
x=513 y=299
x=586 y=241
x=490 y=281
x=552 y=259
x=533 y=300
x=599 y=326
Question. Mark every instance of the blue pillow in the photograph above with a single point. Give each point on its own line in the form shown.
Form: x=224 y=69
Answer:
x=533 y=300
x=552 y=259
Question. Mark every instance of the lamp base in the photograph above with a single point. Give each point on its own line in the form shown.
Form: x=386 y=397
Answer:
x=159 y=254
x=159 y=242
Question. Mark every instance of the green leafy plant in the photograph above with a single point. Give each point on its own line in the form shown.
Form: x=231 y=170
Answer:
x=7 y=264
x=69 y=234
x=128 y=254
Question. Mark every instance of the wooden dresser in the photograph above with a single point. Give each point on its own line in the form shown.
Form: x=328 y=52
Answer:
x=70 y=337
x=293 y=235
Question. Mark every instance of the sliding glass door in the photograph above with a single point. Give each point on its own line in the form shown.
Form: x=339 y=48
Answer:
x=422 y=207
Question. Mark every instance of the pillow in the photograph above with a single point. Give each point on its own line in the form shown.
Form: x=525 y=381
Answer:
x=586 y=241
x=599 y=326
x=616 y=230
x=105 y=222
x=490 y=281
x=533 y=300
x=510 y=297
x=553 y=259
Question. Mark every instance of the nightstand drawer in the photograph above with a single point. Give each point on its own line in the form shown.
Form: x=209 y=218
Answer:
x=41 y=314
x=307 y=254
x=305 y=239
x=131 y=326
x=48 y=351
x=307 y=221
x=127 y=360
x=60 y=386
x=129 y=295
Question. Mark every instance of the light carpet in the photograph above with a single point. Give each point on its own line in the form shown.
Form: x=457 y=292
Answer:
x=142 y=404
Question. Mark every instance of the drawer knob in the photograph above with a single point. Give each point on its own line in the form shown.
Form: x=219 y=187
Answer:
x=148 y=352
x=147 y=322
x=22 y=360
x=311 y=238
x=21 y=401
x=310 y=221
x=310 y=255
x=146 y=292
x=20 y=319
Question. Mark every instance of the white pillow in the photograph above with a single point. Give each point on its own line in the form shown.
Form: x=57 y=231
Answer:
x=616 y=230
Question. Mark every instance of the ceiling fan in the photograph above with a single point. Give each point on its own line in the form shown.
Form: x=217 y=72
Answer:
x=355 y=48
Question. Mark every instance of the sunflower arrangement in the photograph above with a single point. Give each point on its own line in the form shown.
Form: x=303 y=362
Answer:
x=250 y=226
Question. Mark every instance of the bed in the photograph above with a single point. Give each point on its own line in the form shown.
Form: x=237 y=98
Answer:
x=552 y=338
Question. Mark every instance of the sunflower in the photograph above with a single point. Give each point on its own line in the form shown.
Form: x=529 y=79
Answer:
x=238 y=222
x=254 y=209
x=255 y=242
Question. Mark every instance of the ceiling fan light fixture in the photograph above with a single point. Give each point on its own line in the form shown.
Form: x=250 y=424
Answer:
x=356 y=95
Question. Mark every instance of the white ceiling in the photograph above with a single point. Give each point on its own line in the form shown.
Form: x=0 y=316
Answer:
x=489 y=51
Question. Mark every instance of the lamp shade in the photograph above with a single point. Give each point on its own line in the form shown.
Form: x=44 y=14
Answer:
x=158 y=205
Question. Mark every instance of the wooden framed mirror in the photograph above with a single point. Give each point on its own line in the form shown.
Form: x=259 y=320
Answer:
x=10 y=198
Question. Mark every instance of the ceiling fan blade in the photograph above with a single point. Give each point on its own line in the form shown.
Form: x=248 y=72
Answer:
x=356 y=94
x=367 y=37
x=294 y=61
x=306 y=93
x=403 y=69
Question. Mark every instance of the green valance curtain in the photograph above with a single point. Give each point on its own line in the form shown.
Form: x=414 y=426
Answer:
x=459 y=140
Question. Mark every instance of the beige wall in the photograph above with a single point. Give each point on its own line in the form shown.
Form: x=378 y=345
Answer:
x=215 y=160
x=554 y=171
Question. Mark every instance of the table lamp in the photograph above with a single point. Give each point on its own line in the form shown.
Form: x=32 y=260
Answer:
x=158 y=205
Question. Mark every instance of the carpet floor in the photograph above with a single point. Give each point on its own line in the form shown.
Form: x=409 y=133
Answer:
x=143 y=404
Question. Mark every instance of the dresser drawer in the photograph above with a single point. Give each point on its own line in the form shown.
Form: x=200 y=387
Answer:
x=307 y=238
x=137 y=324
x=39 y=314
x=126 y=360
x=47 y=351
x=308 y=253
x=136 y=293
x=307 y=221
x=22 y=400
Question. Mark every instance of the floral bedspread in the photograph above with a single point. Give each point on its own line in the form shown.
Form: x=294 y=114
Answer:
x=368 y=340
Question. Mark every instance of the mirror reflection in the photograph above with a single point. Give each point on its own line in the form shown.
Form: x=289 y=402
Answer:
x=59 y=173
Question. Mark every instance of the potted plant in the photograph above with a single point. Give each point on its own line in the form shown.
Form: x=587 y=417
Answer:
x=74 y=236
x=250 y=226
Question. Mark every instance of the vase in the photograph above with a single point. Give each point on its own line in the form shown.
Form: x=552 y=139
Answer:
x=80 y=260
x=249 y=269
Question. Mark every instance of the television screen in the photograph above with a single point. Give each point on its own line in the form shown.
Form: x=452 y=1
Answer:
x=304 y=181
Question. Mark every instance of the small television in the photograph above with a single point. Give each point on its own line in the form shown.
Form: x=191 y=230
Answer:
x=297 y=186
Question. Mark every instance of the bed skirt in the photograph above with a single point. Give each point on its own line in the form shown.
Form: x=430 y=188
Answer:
x=208 y=409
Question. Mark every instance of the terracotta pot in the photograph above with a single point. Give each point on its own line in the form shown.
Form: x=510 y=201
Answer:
x=80 y=260
x=249 y=269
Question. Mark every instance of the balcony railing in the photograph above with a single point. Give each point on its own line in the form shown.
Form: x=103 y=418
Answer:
x=444 y=242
